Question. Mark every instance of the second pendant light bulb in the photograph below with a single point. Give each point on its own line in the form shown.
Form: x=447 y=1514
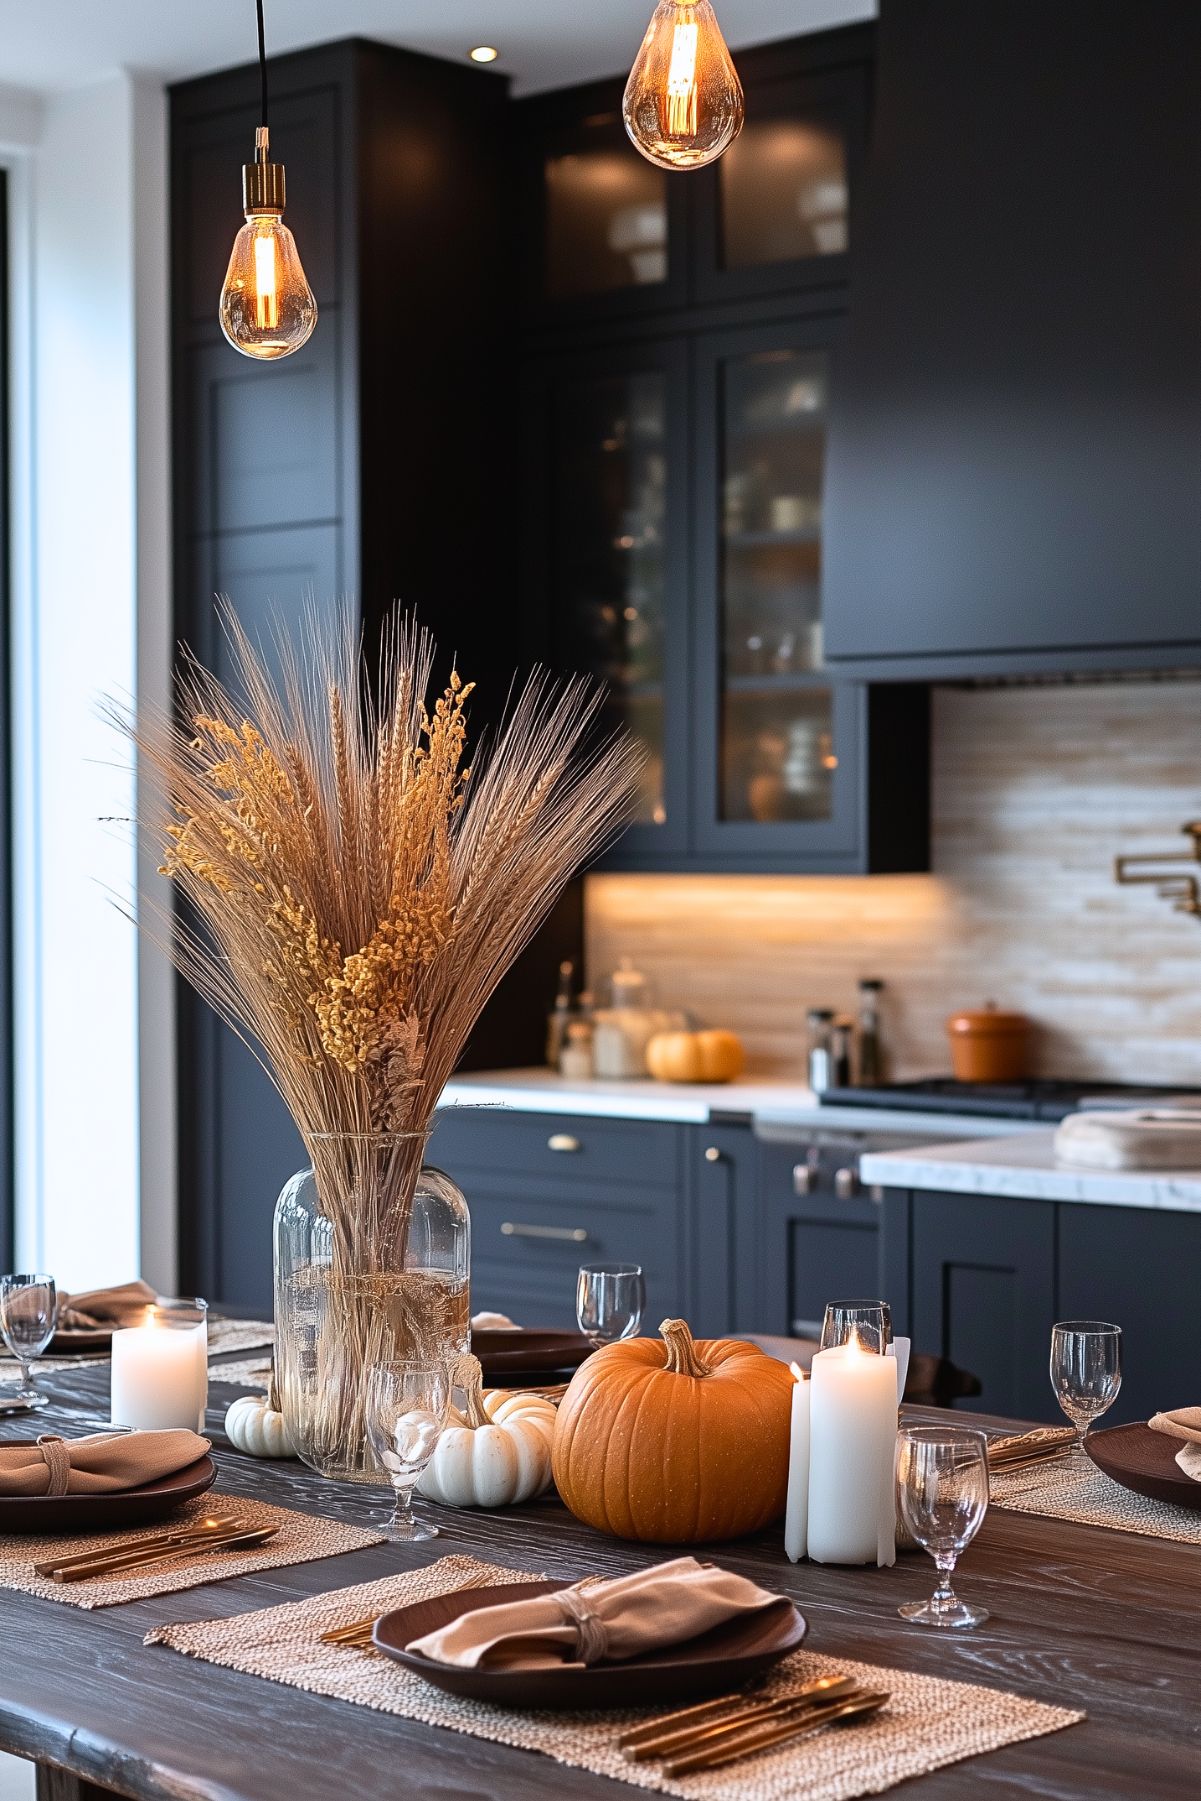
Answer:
x=683 y=100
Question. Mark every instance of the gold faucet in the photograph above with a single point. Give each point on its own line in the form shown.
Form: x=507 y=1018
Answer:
x=1178 y=886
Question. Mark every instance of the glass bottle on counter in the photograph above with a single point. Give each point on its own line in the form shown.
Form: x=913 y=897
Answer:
x=820 y=1021
x=556 y=1022
x=840 y=1052
x=871 y=1061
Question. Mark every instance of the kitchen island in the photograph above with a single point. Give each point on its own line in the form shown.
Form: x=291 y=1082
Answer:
x=1080 y=1617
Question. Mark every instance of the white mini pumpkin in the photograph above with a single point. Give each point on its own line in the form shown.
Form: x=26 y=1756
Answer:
x=255 y=1425
x=494 y=1453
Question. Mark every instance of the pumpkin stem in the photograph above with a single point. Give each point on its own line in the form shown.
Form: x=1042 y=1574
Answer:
x=682 y=1358
x=469 y=1376
x=273 y=1405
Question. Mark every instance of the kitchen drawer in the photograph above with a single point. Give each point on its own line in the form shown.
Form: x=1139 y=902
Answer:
x=523 y=1246
x=564 y=1147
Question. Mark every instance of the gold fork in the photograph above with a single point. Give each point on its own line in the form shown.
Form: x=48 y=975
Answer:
x=356 y=1635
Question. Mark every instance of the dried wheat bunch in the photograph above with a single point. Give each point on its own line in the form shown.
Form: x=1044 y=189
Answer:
x=361 y=889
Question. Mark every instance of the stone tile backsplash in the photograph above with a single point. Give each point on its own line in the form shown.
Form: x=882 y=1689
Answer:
x=1036 y=789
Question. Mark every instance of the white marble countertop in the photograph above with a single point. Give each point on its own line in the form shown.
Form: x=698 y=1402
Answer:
x=776 y=1106
x=1024 y=1166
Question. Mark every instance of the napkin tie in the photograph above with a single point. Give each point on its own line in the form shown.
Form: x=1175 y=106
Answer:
x=58 y=1462
x=591 y=1631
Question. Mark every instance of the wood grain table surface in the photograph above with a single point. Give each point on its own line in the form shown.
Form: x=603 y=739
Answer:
x=1080 y=1616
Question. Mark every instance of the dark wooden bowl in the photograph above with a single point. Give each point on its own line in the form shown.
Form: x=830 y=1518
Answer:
x=1144 y=1462
x=125 y=1507
x=718 y=1661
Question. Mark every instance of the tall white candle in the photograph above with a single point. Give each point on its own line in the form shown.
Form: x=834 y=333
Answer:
x=160 y=1375
x=796 y=1517
x=853 y=1430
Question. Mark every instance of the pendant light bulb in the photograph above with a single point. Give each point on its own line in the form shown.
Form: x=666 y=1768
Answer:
x=683 y=100
x=267 y=305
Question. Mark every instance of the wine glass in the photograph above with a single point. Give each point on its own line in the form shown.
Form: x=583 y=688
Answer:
x=870 y=1322
x=1086 y=1373
x=406 y=1409
x=28 y=1315
x=609 y=1298
x=942 y=1487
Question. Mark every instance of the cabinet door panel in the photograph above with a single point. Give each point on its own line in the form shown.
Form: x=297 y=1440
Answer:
x=983 y=1294
x=607 y=231
x=267 y=439
x=1139 y=1269
x=606 y=554
x=774 y=214
x=775 y=762
x=811 y=1248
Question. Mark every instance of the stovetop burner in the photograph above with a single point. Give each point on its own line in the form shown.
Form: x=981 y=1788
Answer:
x=1048 y=1099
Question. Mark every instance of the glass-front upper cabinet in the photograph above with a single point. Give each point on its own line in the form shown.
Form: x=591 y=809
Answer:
x=610 y=554
x=777 y=769
x=777 y=213
x=608 y=227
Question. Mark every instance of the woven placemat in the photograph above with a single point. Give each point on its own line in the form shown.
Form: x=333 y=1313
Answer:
x=224 y=1336
x=239 y=1335
x=927 y=1723
x=243 y=1372
x=1077 y=1490
x=302 y=1538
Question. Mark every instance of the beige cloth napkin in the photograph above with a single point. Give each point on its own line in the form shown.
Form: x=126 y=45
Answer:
x=96 y=1308
x=604 y=1622
x=99 y=1464
x=1183 y=1422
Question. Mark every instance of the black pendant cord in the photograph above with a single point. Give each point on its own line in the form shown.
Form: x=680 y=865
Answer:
x=262 y=64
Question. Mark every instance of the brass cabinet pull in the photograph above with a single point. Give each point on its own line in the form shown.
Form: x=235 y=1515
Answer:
x=563 y=1141
x=803 y=1177
x=712 y=1154
x=564 y=1234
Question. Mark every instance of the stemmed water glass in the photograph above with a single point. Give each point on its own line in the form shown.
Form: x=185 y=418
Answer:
x=1086 y=1373
x=942 y=1488
x=406 y=1409
x=28 y=1315
x=609 y=1299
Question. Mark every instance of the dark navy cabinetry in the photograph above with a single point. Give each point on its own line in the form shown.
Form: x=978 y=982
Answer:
x=680 y=345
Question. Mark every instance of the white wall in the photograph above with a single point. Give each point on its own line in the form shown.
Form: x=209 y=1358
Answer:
x=94 y=437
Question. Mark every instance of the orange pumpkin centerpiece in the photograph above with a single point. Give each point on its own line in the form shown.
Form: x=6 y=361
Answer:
x=676 y=1442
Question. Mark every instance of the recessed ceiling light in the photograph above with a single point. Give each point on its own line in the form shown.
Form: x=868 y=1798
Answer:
x=483 y=53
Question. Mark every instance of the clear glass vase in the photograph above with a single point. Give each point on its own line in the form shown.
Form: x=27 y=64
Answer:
x=372 y=1263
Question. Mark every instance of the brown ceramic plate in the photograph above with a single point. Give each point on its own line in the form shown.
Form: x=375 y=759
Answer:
x=1144 y=1462
x=127 y=1507
x=528 y=1352
x=712 y=1664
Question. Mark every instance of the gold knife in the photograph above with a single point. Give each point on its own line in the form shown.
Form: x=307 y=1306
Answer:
x=144 y=1559
x=754 y=1713
x=169 y=1536
x=712 y=1757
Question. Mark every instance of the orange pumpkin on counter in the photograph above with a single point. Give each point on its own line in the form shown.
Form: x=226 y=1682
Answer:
x=678 y=1441
x=695 y=1056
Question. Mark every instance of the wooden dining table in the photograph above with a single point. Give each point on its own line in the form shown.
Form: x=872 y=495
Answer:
x=1080 y=1616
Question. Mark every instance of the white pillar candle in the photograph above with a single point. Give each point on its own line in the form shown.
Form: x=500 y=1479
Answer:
x=899 y=1348
x=853 y=1430
x=796 y=1517
x=160 y=1375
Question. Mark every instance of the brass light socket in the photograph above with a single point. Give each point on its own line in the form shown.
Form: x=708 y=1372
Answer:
x=263 y=186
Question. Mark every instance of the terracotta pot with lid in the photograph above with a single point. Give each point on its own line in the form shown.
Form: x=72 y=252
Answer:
x=988 y=1045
